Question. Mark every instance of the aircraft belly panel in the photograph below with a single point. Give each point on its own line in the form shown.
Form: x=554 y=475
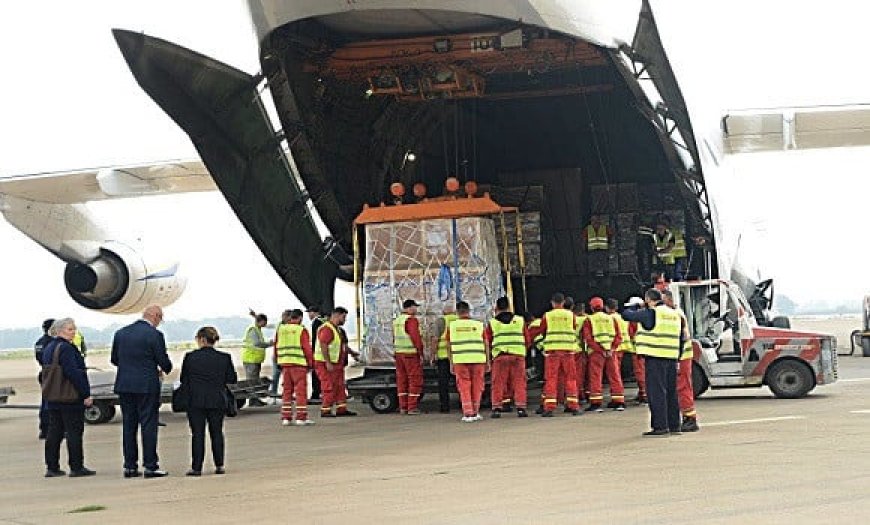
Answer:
x=218 y=107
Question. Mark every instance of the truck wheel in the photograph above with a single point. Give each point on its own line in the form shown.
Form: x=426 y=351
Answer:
x=384 y=402
x=99 y=412
x=700 y=384
x=790 y=379
x=781 y=322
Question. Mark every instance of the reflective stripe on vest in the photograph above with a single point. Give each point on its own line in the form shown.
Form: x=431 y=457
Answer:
x=290 y=345
x=662 y=244
x=508 y=338
x=596 y=240
x=402 y=343
x=602 y=329
x=664 y=339
x=679 y=250
x=626 y=345
x=251 y=353
x=334 y=347
x=688 y=350
x=466 y=341
x=443 y=346
x=561 y=334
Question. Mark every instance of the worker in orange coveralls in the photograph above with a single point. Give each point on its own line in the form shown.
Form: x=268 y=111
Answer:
x=507 y=339
x=329 y=364
x=685 y=393
x=469 y=360
x=637 y=359
x=559 y=327
x=408 y=350
x=293 y=354
x=602 y=336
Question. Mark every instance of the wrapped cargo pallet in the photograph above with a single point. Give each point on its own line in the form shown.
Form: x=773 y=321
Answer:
x=435 y=261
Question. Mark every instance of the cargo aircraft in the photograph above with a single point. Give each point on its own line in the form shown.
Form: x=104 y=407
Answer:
x=539 y=101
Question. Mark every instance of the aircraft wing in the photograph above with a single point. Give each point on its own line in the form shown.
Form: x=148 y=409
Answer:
x=747 y=131
x=112 y=182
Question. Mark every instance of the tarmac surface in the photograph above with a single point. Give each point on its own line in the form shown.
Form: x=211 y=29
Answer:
x=756 y=459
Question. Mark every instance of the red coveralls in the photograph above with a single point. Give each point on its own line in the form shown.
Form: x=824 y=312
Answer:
x=295 y=382
x=599 y=363
x=638 y=365
x=332 y=389
x=409 y=369
x=508 y=376
x=559 y=365
x=685 y=394
x=470 y=382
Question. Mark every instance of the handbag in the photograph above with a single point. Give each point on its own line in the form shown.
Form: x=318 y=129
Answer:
x=232 y=409
x=56 y=388
x=181 y=398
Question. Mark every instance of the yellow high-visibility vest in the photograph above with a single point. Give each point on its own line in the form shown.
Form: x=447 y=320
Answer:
x=679 y=250
x=402 y=343
x=581 y=344
x=627 y=345
x=290 y=345
x=77 y=341
x=334 y=348
x=664 y=339
x=596 y=239
x=602 y=329
x=466 y=341
x=508 y=338
x=250 y=352
x=661 y=244
x=561 y=334
x=443 y=346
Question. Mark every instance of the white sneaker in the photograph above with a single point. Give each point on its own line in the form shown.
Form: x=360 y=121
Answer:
x=285 y=422
x=301 y=423
x=478 y=417
x=468 y=419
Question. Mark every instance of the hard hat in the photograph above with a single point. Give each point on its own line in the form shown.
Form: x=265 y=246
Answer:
x=635 y=301
x=596 y=303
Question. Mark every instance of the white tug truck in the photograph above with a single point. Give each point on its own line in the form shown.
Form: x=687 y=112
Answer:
x=732 y=349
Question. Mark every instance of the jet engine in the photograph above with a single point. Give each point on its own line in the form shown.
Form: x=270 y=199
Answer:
x=120 y=281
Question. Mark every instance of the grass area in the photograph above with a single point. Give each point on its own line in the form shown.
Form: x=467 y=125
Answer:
x=27 y=353
x=87 y=508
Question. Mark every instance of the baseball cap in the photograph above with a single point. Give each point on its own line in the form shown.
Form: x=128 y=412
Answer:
x=596 y=303
x=635 y=301
x=409 y=303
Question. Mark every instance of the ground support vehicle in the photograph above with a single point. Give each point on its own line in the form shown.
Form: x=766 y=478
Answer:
x=733 y=350
x=105 y=399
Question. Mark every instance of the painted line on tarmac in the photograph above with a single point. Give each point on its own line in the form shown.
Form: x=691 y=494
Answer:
x=859 y=411
x=748 y=421
x=855 y=380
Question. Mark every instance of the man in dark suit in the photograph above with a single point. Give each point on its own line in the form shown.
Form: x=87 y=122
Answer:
x=139 y=350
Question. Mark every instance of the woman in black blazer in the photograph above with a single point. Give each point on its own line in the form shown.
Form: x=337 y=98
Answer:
x=206 y=374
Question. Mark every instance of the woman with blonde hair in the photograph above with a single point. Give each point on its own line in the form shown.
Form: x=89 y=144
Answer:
x=206 y=373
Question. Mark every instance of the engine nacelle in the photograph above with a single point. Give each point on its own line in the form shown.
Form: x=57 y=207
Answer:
x=119 y=281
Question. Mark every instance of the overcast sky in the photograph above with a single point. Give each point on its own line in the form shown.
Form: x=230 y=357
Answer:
x=67 y=100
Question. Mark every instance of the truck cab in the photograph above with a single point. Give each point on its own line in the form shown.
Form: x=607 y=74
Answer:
x=732 y=349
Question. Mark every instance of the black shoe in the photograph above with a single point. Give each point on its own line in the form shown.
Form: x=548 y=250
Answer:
x=613 y=404
x=254 y=402
x=547 y=413
x=495 y=414
x=574 y=412
x=220 y=470
x=656 y=433
x=155 y=473
x=690 y=424
x=539 y=410
x=51 y=473
x=327 y=414
x=131 y=473
x=521 y=412
x=195 y=473
x=445 y=410
x=346 y=413
x=161 y=424
x=594 y=408
x=315 y=401
x=618 y=407
x=507 y=408
x=675 y=432
x=82 y=472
